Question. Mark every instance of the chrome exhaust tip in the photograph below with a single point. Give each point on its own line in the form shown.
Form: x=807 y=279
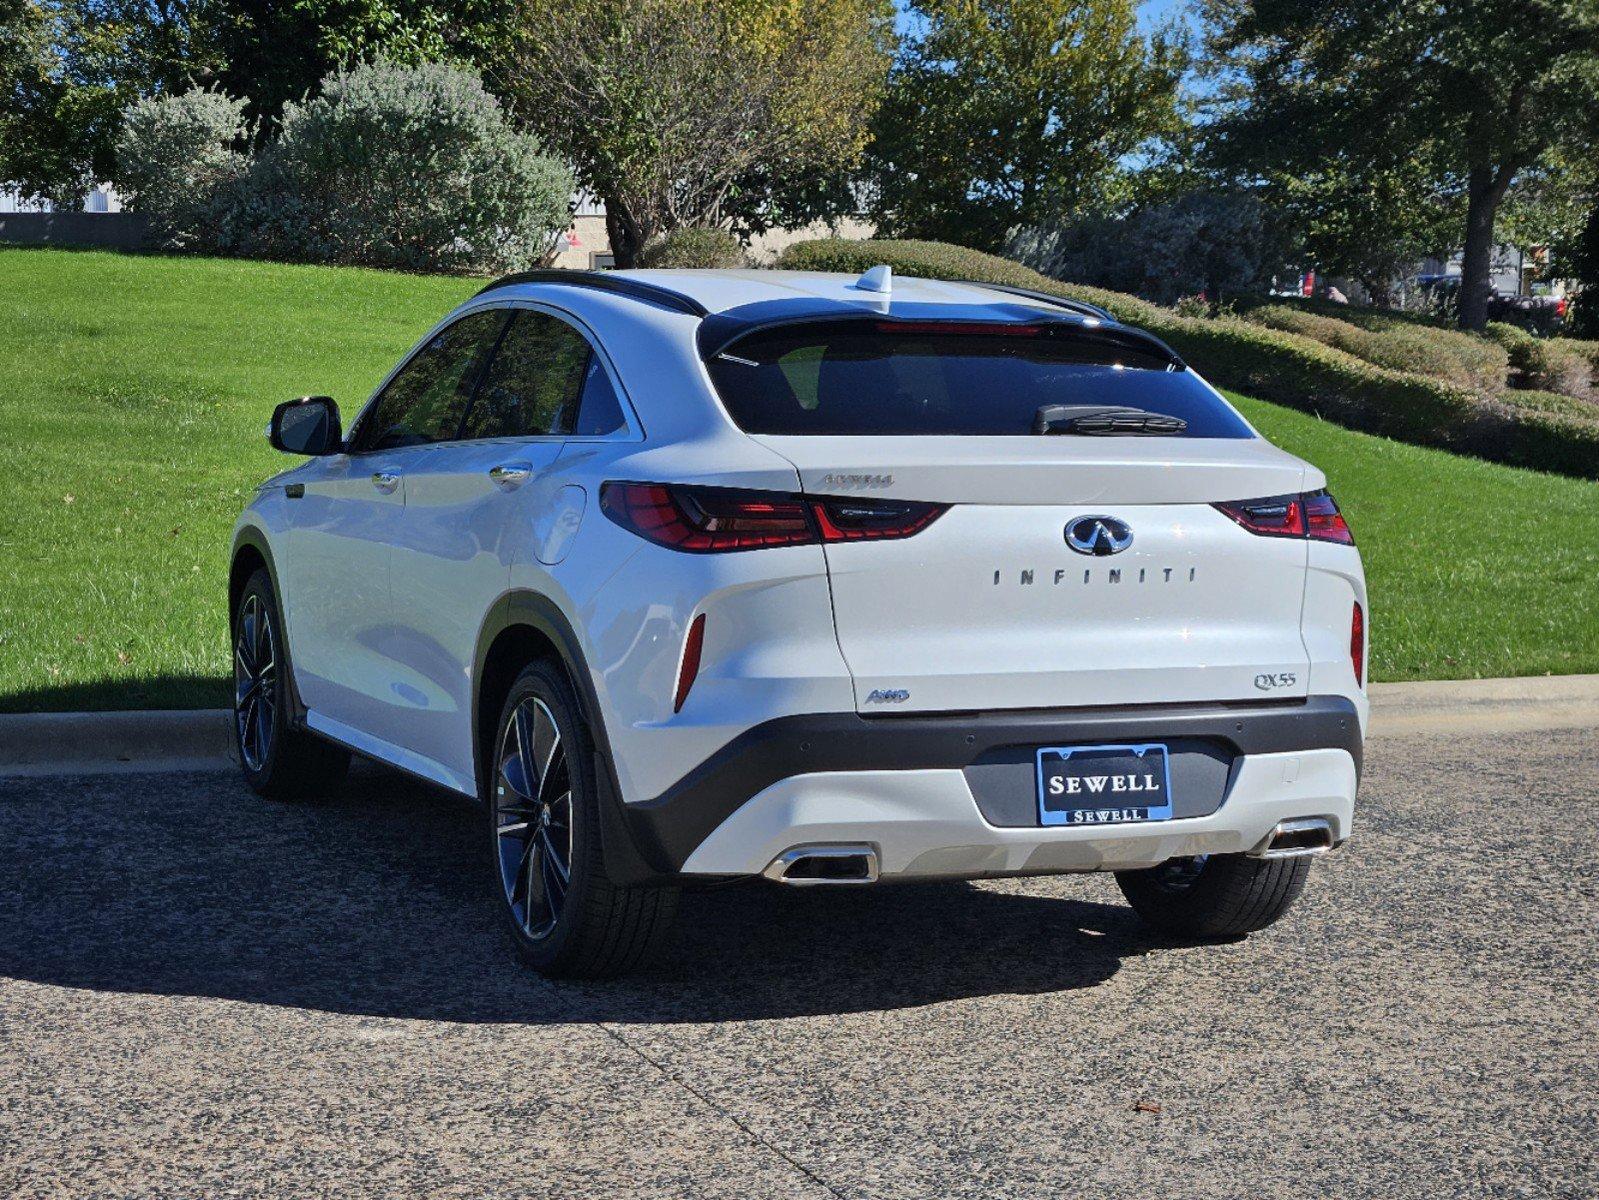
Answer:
x=818 y=866
x=1296 y=838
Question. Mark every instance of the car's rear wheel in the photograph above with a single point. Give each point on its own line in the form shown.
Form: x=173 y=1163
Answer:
x=1214 y=896
x=279 y=761
x=564 y=914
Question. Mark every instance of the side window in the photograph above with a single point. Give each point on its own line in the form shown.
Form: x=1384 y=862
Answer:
x=599 y=411
x=531 y=389
x=427 y=399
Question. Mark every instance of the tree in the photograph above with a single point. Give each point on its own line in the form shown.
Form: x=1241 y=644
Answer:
x=1580 y=258
x=70 y=68
x=1473 y=91
x=1200 y=242
x=277 y=53
x=1366 y=225
x=1015 y=112
x=67 y=68
x=681 y=113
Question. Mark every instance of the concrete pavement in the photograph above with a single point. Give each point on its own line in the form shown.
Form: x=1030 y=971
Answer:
x=202 y=994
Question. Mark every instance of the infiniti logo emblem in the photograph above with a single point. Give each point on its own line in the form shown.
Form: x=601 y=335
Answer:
x=1098 y=536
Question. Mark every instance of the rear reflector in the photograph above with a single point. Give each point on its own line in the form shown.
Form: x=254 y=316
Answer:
x=1357 y=644
x=1312 y=515
x=688 y=670
x=702 y=520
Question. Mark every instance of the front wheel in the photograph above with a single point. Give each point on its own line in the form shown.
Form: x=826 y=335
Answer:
x=1214 y=896
x=279 y=761
x=565 y=916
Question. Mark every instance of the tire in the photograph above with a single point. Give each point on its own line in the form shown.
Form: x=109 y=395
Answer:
x=576 y=923
x=279 y=761
x=1215 y=897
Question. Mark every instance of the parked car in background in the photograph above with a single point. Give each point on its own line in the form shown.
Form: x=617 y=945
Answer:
x=697 y=576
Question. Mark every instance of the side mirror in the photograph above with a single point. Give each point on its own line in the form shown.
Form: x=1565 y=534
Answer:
x=309 y=425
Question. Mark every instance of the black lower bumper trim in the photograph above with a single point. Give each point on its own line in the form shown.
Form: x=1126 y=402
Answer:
x=668 y=828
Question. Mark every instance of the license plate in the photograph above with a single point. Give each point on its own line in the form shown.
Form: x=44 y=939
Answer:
x=1103 y=785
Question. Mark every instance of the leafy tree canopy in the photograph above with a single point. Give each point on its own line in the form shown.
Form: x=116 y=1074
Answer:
x=1439 y=97
x=1013 y=112
x=681 y=113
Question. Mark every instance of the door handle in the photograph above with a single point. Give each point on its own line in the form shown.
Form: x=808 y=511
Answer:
x=510 y=475
x=385 y=481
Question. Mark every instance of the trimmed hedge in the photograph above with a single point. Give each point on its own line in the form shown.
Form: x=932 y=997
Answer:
x=1548 y=364
x=1460 y=358
x=1272 y=364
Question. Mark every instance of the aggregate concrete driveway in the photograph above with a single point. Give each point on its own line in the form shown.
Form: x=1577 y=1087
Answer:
x=204 y=995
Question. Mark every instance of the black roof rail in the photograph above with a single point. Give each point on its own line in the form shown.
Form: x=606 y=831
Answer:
x=606 y=281
x=1077 y=306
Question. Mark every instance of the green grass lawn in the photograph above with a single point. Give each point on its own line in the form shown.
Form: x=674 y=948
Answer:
x=134 y=391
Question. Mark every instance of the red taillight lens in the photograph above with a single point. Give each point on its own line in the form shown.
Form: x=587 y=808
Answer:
x=1272 y=516
x=863 y=520
x=1313 y=515
x=688 y=670
x=1323 y=521
x=707 y=520
x=712 y=520
x=1357 y=644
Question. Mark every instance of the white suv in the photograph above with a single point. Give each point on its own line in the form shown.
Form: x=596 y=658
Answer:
x=698 y=575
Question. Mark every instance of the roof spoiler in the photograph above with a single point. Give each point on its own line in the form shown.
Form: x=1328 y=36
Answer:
x=1076 y=306
x=719 y=331
x=605 y=281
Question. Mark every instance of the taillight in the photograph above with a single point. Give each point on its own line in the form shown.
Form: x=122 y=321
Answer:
x=1323 y=521
x=688 y=670
x=1357 y=644
x=702 y=520
x=1273 y=516
x=862 y=520
x=1312 y=515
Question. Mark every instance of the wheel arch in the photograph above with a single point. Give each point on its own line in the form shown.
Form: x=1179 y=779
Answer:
x=252 y=553
x=521 y=627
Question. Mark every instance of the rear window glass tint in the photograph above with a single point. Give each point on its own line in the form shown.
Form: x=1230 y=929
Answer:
x=859 y=378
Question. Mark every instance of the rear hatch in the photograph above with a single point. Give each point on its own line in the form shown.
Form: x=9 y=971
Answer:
x=990 y=605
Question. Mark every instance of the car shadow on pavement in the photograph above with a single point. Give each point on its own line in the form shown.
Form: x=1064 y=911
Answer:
x=375 y=902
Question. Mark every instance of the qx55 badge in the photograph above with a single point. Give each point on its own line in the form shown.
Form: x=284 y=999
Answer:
x=1098 y=536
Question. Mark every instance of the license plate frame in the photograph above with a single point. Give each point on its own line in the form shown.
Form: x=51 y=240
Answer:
x=1114 y=807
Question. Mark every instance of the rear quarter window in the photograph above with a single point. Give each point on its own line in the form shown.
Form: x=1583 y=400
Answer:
x=865 y=378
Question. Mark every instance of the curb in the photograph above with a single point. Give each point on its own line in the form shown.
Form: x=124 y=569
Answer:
x=202 y=740
x=1485 y=705
x=96 y=743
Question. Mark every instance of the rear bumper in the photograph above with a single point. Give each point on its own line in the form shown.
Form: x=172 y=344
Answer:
x=823 y=771
x=926 y=824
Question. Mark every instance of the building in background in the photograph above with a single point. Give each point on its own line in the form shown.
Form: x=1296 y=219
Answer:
x=103 y=199
x=586 y=246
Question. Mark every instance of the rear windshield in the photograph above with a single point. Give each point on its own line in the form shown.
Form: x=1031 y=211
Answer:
x=863 y=377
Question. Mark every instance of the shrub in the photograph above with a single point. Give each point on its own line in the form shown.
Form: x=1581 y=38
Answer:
x=175 y=161
x=1274 y=365
x=1529 y=400
x=715 y=249
x=1583 y=348
x=411 y=167
x=1547 y=364
x=1460 y=358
